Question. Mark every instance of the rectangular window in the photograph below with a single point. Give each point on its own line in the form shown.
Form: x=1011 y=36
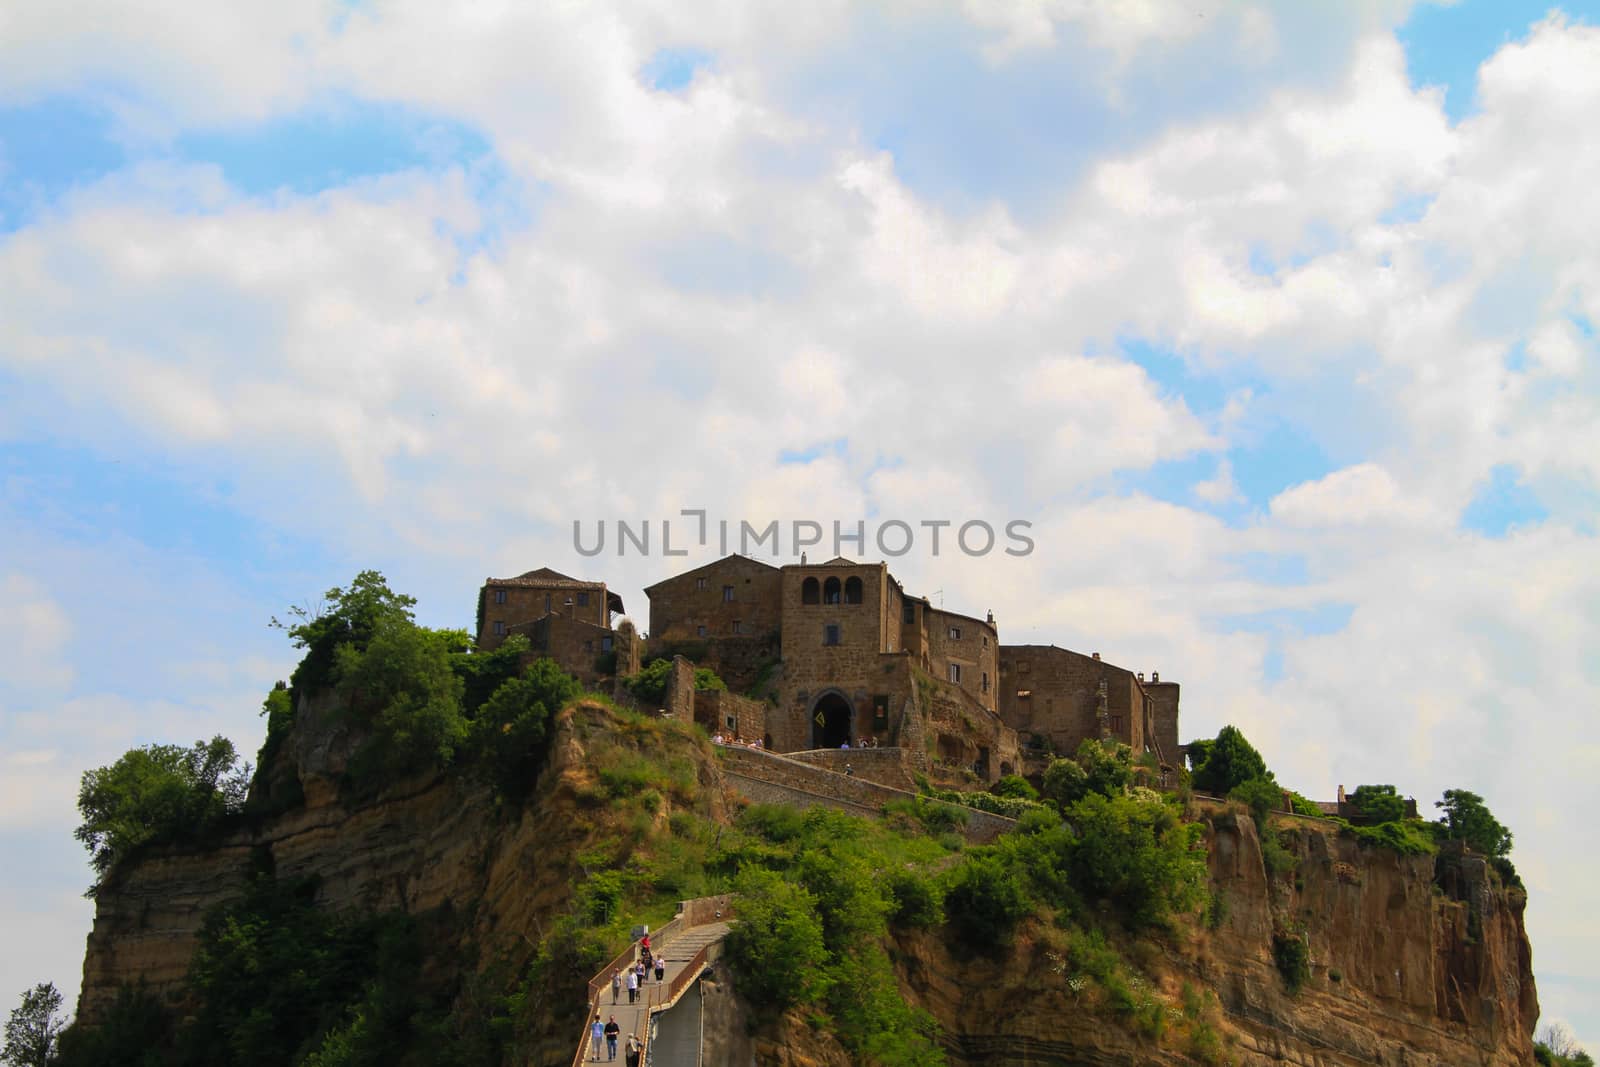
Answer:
x=583 y=600
x=499 y=628
x=955 y=672
x=1116 y=723
x=985 y=640
x=830 y=634
x=547 y=603
x=605 y=644
x=499 y=596
x=702 y=583
x=985 y=681
x=911 y=613
x=955 y=633
x=699 y=631
x=727 y=594
x=738 y=627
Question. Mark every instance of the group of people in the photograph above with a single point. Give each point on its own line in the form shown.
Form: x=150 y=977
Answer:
x=723 y=739
x=608 y=1032
x=637 y=976
x=866 y=742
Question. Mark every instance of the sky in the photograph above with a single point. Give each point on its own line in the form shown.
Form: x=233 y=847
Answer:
x=1276 y=321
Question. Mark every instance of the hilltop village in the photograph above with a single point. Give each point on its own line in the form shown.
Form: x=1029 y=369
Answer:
x=838 y=657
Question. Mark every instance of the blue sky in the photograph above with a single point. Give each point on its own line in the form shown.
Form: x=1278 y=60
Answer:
x=1284 y=355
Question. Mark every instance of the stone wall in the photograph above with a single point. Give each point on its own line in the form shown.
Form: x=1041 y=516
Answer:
x=678 y=700
x=1062 y=701
x=766 y=777
x=1164 y=715
x=731 y=714
x=969 y=643
x=886 y=766
x=576 y=645
x=523 y=603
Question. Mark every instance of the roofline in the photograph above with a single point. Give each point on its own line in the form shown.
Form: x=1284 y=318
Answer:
x=711 y=563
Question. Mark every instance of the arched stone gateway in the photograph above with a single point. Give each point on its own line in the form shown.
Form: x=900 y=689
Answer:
x=832 y=720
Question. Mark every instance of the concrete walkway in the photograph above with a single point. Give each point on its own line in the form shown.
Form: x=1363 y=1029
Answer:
x=633 y=1018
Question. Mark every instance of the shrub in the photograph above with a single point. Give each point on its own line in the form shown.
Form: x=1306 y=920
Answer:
x=649 y=686
x=347 y=617
x=985 y=899
x=1293 y=958
x=1014 y=785
x=1065 y=782
x=510 y=736
x=917 y=900
x=1137 y=857
x=1466 y=818
x=158 y=793
x=1262 y=796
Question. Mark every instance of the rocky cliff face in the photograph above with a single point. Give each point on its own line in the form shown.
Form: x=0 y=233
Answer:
x=1414 y=961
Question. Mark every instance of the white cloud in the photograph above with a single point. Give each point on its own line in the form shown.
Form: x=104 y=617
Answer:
x=33 y=635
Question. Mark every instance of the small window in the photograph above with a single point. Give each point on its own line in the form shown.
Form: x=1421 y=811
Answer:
x=830 y=591
x=547 y=603
x=985 y=640
x=955 y=633
x=955 y=672
x=810 y=592
x=499 y=596
x=911 y=612
x=852 y=590
x=738 y=627
x=702 y=583
x=583 y=600
x=699 y=631
x=732 y=722
x=830 y=634
x=606 y=645
x=985 y=681
x=727 y=594
x=499 y=628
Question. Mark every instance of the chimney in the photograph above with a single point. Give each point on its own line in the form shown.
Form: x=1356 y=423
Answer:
x=1096 y=655
x=1155 y=676
x=1141 y=676
x=1341 y=794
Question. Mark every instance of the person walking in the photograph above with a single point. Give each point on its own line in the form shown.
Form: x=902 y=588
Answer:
x=612 y=1030
x=661 y=968
x=597 y=1031
x=616 y=985
x=644 y=974
x=631 y=1059
x=633 y=986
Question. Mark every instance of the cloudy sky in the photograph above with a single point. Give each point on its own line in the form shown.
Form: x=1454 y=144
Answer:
x=1277 y=321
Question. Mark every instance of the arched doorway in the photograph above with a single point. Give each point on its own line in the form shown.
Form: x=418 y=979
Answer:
x=831 y=719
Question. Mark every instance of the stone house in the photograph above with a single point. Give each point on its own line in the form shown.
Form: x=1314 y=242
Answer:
x=1057 y=699
x=564 y=618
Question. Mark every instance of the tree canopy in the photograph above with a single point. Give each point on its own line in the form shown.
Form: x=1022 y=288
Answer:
x=1231 y=762
x=1467 y=818
x=33 y=1029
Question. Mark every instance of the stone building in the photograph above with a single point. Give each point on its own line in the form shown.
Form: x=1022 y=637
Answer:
x=563 y=618
x=1057 y=699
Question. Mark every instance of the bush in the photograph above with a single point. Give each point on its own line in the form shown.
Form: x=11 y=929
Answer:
x=985 y=900
x=917 y=900
x=1293 y=958
x=347 y=617
x=1137 y=857
x=1230 y=762
x=649 y=686
x=1467 y=818
x=509 y=738
x=1065 y=782
x=1262 y=796
x=158 y=793
x=1014 y=785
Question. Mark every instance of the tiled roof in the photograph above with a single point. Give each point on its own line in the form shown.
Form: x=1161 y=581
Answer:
x=545 y=577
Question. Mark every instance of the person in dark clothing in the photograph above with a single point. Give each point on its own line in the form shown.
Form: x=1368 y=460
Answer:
x=631 y=1059
x=612 y=1030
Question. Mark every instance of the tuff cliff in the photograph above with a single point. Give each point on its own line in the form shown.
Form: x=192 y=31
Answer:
x=1419 y=961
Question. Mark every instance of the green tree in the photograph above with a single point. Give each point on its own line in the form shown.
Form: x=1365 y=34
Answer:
x=1137 y=856
x=1261 y=795
x=776 y=947
x=1232 y=762
x=158 y=793
x=510 y=734
x=1467 y=818
x=346 y=617
x=985 y=900
x=1065 y=782
x=1375 y=804
x=33 y=1029
x=649 y=686
x=1108 y=766
x=402 y=683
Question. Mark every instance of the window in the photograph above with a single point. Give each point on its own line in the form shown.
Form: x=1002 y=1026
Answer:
x=547 y=603
x=1116 y=723
x=732 y=722
x=606 y=645
x=499 y=596
x=702 y=583
x=955 y=672
x=727 y=594
x=852 y=591
x=985 y=640
x=499 y=628
x=911 y=612
x=810 y=592
x=830 y=634
x=955 y=633
x=583 y=600
x=830 y=591
x=738 y=627
x=985 y=681
x=699 y=631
